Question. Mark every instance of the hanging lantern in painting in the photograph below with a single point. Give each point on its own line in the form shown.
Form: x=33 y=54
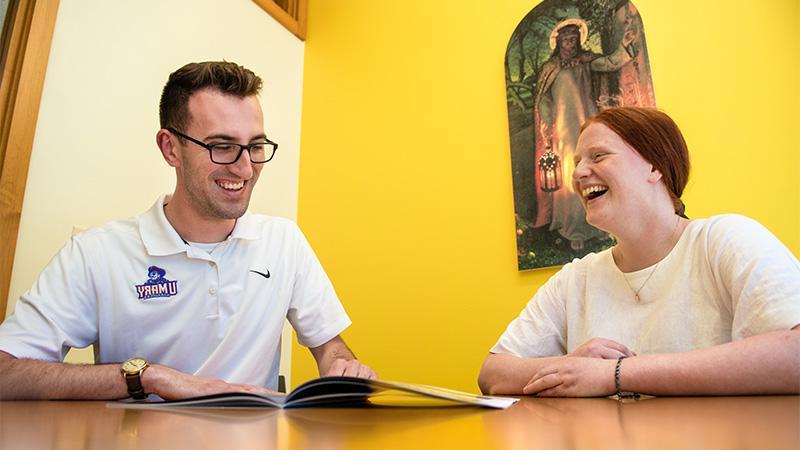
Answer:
x=549 y=171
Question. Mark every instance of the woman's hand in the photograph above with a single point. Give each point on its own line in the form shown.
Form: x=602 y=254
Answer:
x=602 y=348
x=574 y=377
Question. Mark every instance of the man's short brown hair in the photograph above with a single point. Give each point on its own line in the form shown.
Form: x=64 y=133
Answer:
x=226 y=77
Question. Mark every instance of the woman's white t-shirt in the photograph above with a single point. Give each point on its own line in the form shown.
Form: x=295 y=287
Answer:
x=727 y=278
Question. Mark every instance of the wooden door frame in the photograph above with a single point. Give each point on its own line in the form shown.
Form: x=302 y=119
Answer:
x=293 y=20
x=26 y=49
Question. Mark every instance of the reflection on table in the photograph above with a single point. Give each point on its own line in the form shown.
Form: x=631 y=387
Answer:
x=771 y=422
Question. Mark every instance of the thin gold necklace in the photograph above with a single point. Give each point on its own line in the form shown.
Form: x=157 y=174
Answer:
x=636 y=291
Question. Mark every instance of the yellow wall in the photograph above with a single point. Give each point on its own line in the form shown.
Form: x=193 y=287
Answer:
x=405 y=173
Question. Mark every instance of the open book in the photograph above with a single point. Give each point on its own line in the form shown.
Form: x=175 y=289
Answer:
x=333 y=392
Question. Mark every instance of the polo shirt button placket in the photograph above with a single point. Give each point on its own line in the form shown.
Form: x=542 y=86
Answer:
x=213 y=286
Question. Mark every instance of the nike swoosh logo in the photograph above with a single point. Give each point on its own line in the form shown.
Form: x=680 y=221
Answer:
x=265 y=275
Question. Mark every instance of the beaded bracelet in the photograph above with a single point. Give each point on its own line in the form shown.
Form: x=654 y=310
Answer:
x=620 y=393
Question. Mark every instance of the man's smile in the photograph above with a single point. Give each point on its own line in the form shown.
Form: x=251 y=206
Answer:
x=229 y=185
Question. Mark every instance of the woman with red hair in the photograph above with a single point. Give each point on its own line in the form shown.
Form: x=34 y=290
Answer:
x=693 y=307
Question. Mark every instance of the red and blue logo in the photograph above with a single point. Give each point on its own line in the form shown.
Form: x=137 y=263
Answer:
x=156 y=285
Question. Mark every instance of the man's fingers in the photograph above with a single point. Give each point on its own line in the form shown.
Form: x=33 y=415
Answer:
x=337 y=368
x=351 y=368
x=252 y=389
x=366 y=372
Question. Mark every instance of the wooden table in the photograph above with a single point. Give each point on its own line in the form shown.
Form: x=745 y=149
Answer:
x=658 y=423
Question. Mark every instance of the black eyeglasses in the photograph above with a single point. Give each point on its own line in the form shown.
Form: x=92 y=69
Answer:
x=230 y=152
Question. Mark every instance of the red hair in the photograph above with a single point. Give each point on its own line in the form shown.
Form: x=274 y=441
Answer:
x=657 y=138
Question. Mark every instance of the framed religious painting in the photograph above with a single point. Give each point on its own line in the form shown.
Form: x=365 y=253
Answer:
x=566 y=61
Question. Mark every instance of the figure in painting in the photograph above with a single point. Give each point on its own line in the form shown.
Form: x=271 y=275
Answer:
x=567 y=94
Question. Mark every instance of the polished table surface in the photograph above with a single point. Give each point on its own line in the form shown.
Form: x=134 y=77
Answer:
x=770 y=422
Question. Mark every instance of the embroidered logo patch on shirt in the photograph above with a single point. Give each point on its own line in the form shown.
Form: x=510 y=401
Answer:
x=156 y=285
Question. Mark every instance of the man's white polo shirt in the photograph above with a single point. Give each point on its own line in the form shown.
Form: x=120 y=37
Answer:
x=134 y=288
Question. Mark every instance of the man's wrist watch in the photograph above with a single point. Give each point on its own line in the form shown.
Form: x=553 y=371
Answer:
x=132 y=371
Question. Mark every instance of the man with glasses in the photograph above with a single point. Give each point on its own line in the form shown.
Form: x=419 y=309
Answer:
x=190 y=297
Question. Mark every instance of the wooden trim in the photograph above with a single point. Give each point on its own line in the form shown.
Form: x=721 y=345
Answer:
x=24 y=66
x=293 y=20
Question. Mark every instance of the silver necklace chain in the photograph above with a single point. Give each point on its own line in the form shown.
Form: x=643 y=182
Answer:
x=636 y=291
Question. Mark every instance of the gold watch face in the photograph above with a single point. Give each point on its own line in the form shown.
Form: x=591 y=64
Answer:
x=134 y=365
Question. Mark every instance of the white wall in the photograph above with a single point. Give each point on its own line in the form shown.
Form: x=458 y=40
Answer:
x=94 y=155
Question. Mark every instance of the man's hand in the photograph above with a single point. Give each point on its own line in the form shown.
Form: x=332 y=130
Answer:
x=602 y=348
x=349 y=368
x=334 y=358
x=574 y=377
x=171 y=384
x=28 y=379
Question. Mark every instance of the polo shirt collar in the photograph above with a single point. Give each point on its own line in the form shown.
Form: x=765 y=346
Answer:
x=161 y=239
x=246 y=228
x=158 y=236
